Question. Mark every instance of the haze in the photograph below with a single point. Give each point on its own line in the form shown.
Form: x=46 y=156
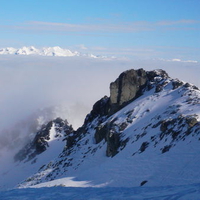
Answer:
x=30 y=83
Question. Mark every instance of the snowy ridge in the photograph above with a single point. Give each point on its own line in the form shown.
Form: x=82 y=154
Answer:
x=151 y=141
x=46 y=146
x=45 y=51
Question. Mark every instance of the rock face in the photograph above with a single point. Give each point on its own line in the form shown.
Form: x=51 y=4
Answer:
x=125 y=88
x=111 y=135
x=100 y=108
x=129 y=85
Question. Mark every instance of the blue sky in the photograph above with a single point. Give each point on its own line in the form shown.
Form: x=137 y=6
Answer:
x=141 y=29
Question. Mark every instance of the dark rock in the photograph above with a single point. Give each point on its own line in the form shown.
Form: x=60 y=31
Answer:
x=176 y=83
x=159 y=88
x=155 y=73
x=99 y=109
x=164 y=125
x=123 y=126
x=143 y=182
x=123 y=143
x=144 y=146
x=166 y=148
x=100 y=134
x=113 y=143
x=126 y=87
x=195 y=87
x=187 y=85
x=71 y=140
x=130 y=85
x=191 y=121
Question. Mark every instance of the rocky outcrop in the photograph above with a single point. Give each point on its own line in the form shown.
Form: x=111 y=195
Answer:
x=126 y=87
x=130 y=85
x=100 y=108
x=113 y=143
x=111 y=135
x=40 y=141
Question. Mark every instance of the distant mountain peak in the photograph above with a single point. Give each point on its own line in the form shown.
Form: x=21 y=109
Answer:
x=45 y=51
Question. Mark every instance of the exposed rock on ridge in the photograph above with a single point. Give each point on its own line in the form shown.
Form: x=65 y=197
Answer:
x=129 y=85
x=40 y=142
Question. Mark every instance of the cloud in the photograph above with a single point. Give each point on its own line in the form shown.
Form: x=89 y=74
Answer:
x=82 y=47
x=177 y=22
x=107 y=27
x=167 y=53
x=179 y=60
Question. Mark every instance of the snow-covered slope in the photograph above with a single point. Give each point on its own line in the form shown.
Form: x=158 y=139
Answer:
x=46 y=145
x=45 y=51
x=187 y=192
x=146 y=133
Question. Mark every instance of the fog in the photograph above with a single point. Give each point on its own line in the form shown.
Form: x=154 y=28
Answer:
x=37 y=88
x=36 y=82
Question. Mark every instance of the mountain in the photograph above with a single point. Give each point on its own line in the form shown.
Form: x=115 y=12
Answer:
x=45 y=51
x=146 y=133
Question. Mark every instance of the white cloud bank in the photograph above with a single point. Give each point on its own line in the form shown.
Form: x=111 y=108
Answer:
x=179 y=60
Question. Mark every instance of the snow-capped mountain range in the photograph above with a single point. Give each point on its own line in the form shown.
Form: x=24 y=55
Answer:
x=146 y=133
x=45 y=51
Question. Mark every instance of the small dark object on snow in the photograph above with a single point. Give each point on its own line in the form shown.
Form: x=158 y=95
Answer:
x=143 y=182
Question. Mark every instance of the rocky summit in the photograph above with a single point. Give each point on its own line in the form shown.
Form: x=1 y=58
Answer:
x=146 y=133
x=129 y=85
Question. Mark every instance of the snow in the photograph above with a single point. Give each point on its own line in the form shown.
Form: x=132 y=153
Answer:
x=183 y=192
x=45 y=51
x=66 y=182
x=22 y=170
x=57 y=51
